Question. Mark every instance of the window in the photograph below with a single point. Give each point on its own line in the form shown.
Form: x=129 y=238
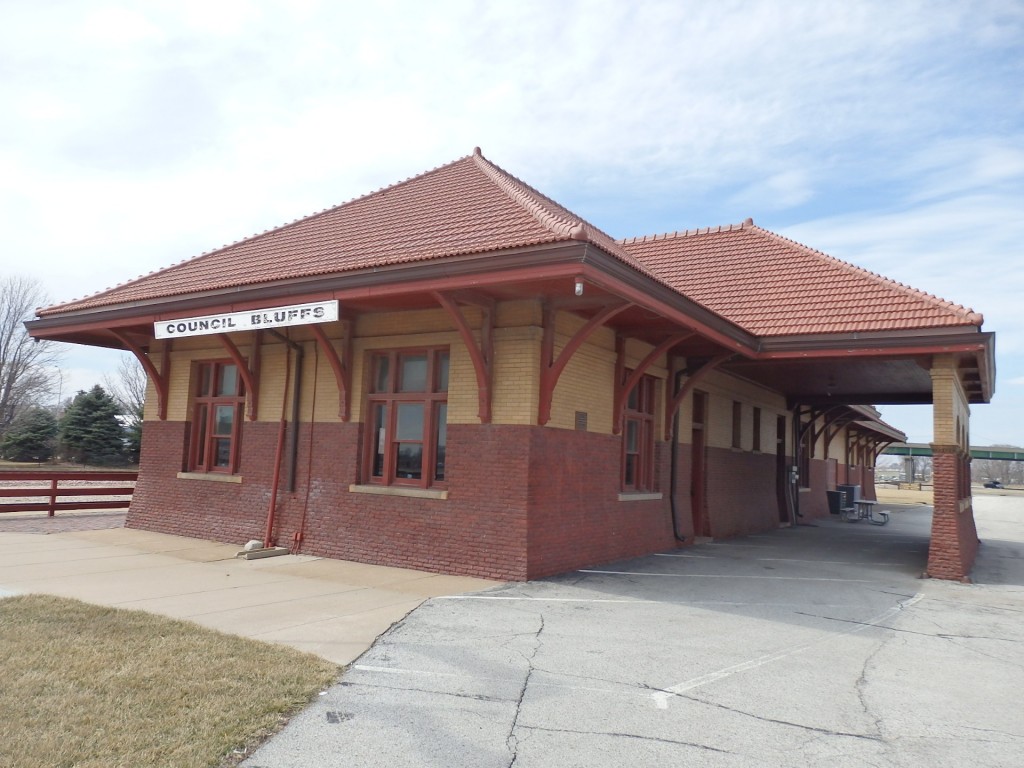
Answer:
x=407 y=415
x=737 y=424
x=216 y=418
x=756 y=446
x=638 y=437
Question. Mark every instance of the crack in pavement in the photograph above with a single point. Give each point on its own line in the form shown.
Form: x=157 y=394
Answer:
x=623 y=735
x=940 y=635
x=511 y=740
x=801 y=726
x=860 y=686
x=474 y=696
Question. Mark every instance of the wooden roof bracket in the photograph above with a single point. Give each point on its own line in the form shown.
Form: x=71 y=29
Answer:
x=550 y=367
x=879 y=448
x=688 y=385
x=342 y=366
x=623 y=388
x=482 y=355
x=833 y=427
x=248 y=371
x=159 y=378
x=831 y=416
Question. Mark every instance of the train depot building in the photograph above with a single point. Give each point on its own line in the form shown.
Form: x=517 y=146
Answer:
x=457 y=374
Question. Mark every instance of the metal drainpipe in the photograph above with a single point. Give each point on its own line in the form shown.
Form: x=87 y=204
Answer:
x=674 y=469
x=293 y=441
x=794 y=481
x=268 y=537
x=293 y=447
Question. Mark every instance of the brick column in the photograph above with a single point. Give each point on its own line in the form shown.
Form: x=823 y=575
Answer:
x=954 y=540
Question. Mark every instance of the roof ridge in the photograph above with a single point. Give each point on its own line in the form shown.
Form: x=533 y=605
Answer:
x=257 y=235
x=745 y=224
x=531 y=200
x=965 y=312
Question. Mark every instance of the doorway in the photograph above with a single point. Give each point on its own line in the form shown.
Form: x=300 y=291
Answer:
x=698 y=467
x=782 y=478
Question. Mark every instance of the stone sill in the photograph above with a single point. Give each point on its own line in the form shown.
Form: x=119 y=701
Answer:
x=640 y=496
x=398 y=490
x=215 y=477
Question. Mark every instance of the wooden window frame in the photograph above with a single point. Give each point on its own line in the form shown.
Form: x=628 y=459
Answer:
x=433 y=400
x=638 y=411
x=202 y=437
x=755 y=443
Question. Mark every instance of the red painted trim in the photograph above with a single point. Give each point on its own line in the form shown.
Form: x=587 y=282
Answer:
x=482 y=355
x=251 y=384
x=159 y=380
x=622 y=391
x=887 y=351
x=551 y=370
x=342 y=370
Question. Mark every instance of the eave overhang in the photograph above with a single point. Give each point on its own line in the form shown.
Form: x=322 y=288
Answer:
x=481 y=272
x=549 y=271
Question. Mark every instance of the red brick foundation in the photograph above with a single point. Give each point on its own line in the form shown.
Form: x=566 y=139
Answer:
x=575 y=517
x=523 y=502
x=741 y=493
x=954 y=541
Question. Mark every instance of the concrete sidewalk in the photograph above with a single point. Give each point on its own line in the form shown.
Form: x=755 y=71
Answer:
x=814 y=646
x=332 y=608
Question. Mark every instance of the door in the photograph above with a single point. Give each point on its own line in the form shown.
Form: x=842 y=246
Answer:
x=782 y=478
x=698 y=466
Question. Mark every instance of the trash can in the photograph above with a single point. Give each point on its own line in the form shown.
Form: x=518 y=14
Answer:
x=850 y=494
x=835 y=502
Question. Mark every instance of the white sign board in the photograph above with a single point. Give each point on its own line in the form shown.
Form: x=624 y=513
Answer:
x=252 y=320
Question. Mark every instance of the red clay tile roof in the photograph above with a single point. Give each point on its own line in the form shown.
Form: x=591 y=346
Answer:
x=771 y=286
x=759 y=281
x=467 y=206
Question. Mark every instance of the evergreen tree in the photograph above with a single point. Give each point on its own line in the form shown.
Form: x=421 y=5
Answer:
x=90 y=430
x=31 y=437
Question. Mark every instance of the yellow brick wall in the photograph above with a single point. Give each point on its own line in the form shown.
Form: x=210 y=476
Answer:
x=586 y=383
x=183 y=353
x=516 y=375
x=837 y=449
x=950 y=409
x=722 y=390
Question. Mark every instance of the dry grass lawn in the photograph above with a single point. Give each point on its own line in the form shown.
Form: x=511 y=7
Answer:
x=88 y=686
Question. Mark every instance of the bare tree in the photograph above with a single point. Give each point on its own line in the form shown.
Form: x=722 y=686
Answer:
x=128 y=387
x=26 y=366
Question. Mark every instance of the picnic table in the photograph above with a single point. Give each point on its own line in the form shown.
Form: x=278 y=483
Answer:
x=864 y=509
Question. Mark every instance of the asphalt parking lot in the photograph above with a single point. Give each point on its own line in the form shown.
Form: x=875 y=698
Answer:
x=815 y=645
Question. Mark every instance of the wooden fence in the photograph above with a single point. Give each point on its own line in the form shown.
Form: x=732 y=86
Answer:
x=76 y=488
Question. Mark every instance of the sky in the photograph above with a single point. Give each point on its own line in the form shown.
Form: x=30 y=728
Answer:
x=889 y=135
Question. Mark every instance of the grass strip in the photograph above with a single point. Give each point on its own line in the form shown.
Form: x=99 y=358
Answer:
x=86 y=686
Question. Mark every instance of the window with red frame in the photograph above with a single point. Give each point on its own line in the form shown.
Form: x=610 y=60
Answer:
x=407 y=417
x=216 y=418
x=638 y=437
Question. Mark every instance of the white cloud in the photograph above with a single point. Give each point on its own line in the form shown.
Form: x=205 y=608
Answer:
x=141 y=134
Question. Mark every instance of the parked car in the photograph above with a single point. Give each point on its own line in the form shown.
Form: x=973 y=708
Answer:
x=993 y=484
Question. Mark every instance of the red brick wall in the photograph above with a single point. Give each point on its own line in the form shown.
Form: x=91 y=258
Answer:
x=954 y=542
x=575 y=517
x=684 y=503
x=479 y=530
x=564 y=483
x=813 y=500
x=740 y=492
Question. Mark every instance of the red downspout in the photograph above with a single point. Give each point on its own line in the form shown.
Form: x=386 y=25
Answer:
x=268 y=538
x=300 y=534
